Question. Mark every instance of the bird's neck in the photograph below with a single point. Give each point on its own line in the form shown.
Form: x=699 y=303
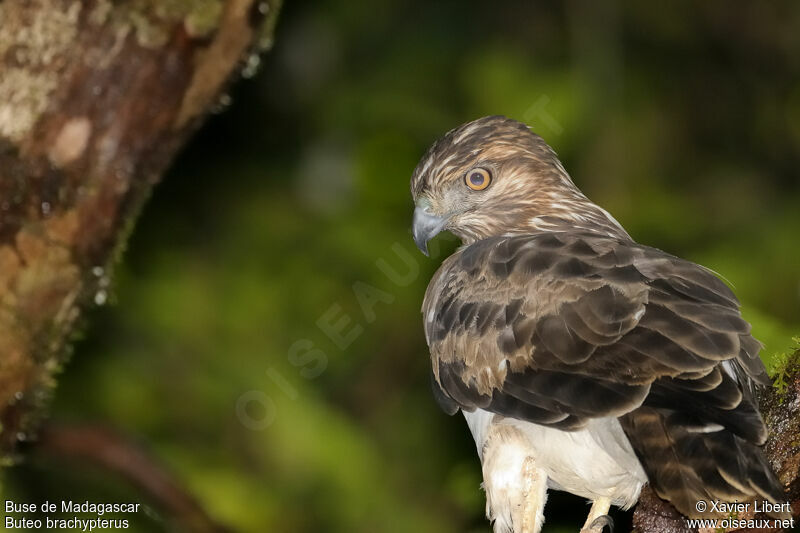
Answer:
x=572 y=212
x=580 y=214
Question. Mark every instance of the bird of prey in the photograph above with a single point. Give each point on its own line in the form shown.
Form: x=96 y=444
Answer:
x=582 y=361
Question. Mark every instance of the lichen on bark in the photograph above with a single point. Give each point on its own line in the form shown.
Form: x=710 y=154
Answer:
x=33 y=43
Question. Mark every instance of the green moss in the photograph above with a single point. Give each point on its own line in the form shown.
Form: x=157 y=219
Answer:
x=266 y=34
x=204 y=17
x=152 y=19
x=783 y=367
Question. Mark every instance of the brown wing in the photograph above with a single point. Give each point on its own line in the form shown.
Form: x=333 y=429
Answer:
x=558 y=328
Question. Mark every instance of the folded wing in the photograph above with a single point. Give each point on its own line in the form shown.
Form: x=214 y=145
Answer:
x=559 y=328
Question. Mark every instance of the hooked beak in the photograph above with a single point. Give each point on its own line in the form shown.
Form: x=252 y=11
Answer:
x=426 y=226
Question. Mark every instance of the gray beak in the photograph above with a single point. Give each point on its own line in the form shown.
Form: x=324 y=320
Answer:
x=426 y=226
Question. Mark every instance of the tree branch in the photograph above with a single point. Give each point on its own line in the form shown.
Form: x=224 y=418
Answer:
x=96 y=97
x=119 y=455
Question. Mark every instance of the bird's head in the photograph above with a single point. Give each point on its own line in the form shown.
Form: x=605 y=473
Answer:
x=491 y=176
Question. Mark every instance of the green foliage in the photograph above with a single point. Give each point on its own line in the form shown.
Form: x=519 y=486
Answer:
x=784 y=365
x=686 y=132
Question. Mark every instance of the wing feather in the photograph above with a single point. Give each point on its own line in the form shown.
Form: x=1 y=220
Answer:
x=557 y=328
x=582 y=304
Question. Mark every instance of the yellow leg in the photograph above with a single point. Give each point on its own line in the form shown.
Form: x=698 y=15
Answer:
x=599 y=509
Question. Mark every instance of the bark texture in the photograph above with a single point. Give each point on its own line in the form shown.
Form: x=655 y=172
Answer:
x=780 y=406
x=96 y=97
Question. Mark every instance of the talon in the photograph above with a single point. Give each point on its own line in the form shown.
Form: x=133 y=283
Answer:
x=599 y=523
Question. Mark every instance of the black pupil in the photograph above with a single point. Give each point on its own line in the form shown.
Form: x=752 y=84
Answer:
x=476 y=178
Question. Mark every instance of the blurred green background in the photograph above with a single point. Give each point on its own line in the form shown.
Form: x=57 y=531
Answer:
x=683 y=120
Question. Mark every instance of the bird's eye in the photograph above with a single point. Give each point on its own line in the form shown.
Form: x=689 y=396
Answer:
x=478 y=179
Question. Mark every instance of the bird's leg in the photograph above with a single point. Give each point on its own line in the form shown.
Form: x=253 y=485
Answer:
x=534 y=496
x=598 y=516
x=516 y=488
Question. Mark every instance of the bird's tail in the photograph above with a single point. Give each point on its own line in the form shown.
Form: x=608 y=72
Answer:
x=693 y=466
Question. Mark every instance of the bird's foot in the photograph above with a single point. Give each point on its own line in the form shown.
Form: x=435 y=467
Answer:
x=599 y=524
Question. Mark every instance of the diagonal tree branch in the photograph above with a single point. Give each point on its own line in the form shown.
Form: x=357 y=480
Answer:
x=96 y=97
x=117 y=454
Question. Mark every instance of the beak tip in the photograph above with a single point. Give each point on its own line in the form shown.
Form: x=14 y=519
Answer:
x=425 y=227
x=422 y=244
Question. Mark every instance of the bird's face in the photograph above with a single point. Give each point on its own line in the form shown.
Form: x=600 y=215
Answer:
x=487 y=177
x=453 y=200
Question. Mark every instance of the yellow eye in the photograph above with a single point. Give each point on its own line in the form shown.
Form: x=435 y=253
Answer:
x=478 y=178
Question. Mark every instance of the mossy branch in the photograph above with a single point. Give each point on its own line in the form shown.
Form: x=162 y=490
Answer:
x=96 y=97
